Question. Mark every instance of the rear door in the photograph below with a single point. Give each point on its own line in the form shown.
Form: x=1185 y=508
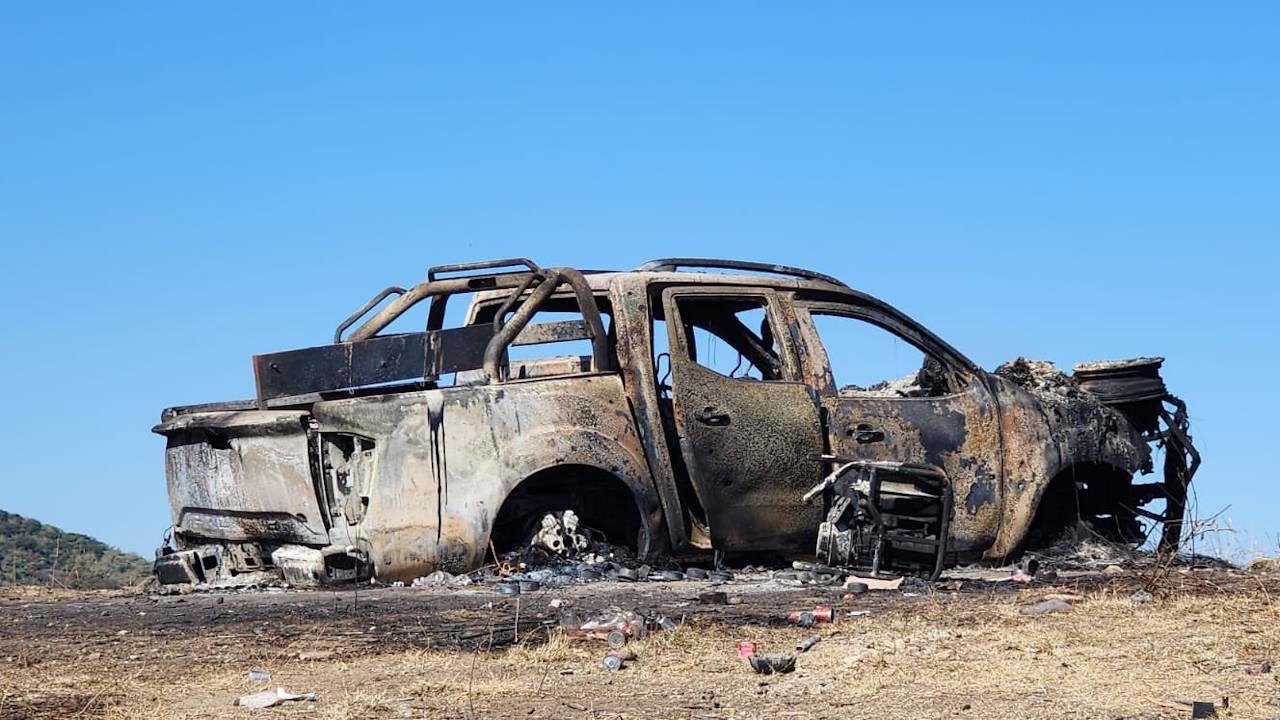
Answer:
x=747 y=426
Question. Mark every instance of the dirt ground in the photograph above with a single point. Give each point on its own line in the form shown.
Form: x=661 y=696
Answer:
x=952 y=649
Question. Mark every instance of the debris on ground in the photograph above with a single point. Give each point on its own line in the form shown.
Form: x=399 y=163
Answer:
x=806 y=618
x=440 y=578
x=1257 y=670
x=1048 y=606
x=872 y=583
x=270 y=698
x=746 y=649
x=770 y=664
x=1141 y=597
x=615 y=619
x=612 y=661
x=808 y=643
x=1203 y=709
x=713 y=597
x=424 y=633
x=259 y=675
x=616 y=639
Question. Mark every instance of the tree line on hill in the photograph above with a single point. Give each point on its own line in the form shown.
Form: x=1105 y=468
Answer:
x=32 y=553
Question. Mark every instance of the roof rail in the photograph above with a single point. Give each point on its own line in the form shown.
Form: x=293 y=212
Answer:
x=672 y=264
x=438 y=270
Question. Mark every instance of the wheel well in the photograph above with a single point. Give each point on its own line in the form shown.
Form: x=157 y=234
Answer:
x=1095 y=493
x=601 y=500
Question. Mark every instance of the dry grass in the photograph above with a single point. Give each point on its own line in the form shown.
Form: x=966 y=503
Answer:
x=943 y=656
x=48 y=593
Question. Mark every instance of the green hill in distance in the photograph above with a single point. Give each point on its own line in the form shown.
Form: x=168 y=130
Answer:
x=32 y=553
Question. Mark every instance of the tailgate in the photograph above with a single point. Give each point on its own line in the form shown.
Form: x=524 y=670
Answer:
x=242 y=475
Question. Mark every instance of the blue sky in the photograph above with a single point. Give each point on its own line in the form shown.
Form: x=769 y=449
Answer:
x=182 y=186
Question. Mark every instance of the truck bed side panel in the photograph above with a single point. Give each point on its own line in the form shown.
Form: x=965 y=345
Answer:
x=446 y=459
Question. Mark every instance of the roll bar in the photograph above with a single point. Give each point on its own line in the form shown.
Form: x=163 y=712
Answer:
x=367 y=358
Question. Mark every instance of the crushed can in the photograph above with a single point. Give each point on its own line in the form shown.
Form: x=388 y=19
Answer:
x=801 y=618
x=616 y=639
x=612 y=661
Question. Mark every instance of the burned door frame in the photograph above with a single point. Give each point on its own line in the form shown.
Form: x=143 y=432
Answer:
x=959 y=431
x=748 y=445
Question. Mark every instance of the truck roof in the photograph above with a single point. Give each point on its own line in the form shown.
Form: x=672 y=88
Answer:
x=708 y=270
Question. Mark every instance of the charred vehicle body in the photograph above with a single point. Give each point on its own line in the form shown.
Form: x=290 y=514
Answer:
x=685 y=407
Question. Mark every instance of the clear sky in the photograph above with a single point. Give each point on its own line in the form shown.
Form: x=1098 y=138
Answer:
x=183 y=185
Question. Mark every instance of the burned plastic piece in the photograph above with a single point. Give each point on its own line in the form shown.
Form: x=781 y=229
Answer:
x=1201 y=709
x=271 y=698
x=714 y=597
x=770 y=664
x=885 y=515
x=808 y=643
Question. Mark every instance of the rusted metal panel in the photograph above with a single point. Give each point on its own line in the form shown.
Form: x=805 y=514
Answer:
x=241 y=476
x=446 y=459
x=749 y=446
x=554 y=332
x=750 y=449
x=958 y=431
x=335 y=367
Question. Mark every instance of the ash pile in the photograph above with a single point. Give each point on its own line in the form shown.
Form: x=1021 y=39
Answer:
x=562 y=551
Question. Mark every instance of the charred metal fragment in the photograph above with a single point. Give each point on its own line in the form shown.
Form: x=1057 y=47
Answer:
x=884 y=516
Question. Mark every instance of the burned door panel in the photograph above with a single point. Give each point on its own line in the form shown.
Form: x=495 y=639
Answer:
x=747 y=440
x=938 y=415
x=957 y=433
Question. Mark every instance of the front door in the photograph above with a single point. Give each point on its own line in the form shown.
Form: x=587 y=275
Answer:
x=747 y=426
x=887 y=399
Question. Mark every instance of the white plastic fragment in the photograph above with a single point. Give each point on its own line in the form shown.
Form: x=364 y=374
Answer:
x=270 y=698
x=876 y=583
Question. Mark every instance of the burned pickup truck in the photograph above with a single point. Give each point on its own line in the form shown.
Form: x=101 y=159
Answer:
x=684 y=408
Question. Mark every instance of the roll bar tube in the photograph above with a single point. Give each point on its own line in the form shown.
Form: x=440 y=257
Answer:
x=540 y=283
